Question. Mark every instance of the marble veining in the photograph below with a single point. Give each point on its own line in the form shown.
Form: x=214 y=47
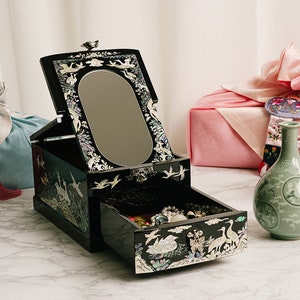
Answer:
x=38 y=261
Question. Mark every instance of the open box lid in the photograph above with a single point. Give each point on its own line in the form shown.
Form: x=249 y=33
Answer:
x=107 y=103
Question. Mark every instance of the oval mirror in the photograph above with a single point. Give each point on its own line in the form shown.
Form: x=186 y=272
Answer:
x=115 y=118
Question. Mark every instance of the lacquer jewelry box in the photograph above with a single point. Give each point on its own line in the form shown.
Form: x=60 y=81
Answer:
x=106 y=175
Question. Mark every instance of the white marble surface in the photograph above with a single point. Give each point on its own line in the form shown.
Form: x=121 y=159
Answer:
x=38 y=261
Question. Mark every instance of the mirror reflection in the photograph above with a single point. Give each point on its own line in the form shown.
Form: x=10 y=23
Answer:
x=115 y=118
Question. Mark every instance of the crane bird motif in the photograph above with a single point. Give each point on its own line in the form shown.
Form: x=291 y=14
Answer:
x=100 y=185
x=127 y=64
x=75 y=185
x=169 y=173
x=232 y=236
x=218 y=242
x=115 y=181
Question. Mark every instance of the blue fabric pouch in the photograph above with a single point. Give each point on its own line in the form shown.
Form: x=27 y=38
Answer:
x=16 y=169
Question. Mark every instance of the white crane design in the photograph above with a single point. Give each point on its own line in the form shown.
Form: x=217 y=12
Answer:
x=40 y=162
x=218 y=242
x=232 y=236
x=152 y=235
x=71 y=68
x=169 y=173
x=115 y=181
x=100 y=185
x=75 y=185
x=181 y=172
x=122 y=65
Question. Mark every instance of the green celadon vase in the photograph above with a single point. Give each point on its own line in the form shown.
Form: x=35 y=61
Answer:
x=277 y=194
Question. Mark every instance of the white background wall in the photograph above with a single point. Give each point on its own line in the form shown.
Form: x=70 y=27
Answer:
x=189 y=47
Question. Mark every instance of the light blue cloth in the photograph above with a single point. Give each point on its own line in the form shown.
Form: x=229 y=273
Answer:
x=16 y=169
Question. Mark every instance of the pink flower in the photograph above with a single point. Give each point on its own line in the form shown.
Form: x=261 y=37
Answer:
x=277 y=101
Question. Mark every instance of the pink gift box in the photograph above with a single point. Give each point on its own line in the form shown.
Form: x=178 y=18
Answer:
x=215 y=140
x=229 y=127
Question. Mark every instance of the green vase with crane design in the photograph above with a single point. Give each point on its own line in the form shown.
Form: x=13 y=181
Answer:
x=277 y=194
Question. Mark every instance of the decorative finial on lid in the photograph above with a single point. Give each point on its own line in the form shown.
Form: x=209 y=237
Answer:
x=90 y=45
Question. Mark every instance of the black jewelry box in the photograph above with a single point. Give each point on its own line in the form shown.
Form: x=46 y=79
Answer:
x=105 y=173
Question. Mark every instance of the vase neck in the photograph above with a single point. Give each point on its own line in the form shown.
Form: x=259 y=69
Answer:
x=289 y=146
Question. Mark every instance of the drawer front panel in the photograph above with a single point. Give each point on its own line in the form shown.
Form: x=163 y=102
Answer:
x=171 y=247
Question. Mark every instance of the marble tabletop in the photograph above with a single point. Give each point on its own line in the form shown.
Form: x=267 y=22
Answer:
x=38 y=261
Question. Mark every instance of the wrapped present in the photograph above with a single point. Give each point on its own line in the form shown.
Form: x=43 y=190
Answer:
x=228 y=128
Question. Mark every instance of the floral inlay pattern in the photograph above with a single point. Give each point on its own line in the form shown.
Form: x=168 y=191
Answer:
x=190 y=244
